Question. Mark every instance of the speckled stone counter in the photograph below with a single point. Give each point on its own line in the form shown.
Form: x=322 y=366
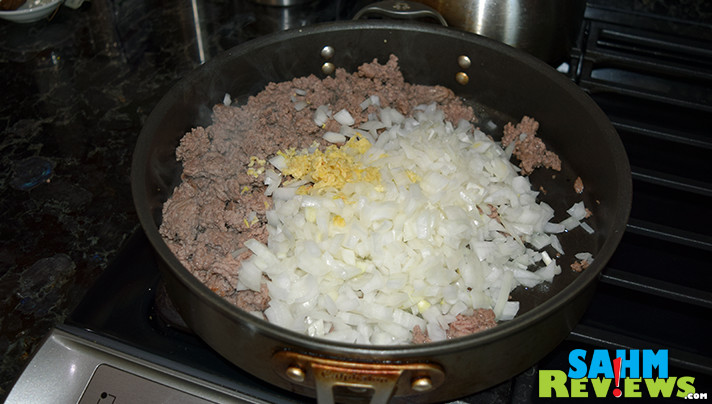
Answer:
x=75 y=92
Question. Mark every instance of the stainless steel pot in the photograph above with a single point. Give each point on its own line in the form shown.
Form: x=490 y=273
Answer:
x=544 y=28
x=503 y=82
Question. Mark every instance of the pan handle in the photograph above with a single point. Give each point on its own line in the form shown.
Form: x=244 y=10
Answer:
x=383 y=380
x=400 y=9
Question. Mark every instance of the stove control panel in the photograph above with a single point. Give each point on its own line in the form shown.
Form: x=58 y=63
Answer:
x=71 y=368
x=110 y=385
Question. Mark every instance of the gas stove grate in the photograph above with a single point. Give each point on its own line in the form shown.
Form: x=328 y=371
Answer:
x=656 y=87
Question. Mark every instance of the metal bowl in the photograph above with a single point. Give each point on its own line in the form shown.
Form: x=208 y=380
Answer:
x=31 y=11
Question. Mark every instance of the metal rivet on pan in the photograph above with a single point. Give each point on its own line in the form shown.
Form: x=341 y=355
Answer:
x=327 y=52
x=421 y=384
x=296 y=374
x=464 y=61
x=401 y=6
x=328 y=68
x=462 y=78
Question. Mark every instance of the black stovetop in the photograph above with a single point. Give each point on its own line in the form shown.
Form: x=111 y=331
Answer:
x=653 y=78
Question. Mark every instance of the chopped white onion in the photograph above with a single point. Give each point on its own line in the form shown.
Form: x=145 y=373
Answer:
x=570 y=223
x=556 y=244
x=272 y=180
x=554 y=227
x=369 y=261
x=509 y=311
x=279 y=162
x=584 y=256
x=587 y=227
x=334 y=137
x=344 y=117
x=300 y=105
x=365 y=103
x=321 y=115
x=372 y=125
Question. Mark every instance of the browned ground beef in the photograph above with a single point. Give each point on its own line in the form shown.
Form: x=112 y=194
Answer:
x=420 y=336
x=579 y=266
x=480 y=320
x=529 y=149
x=578 y=185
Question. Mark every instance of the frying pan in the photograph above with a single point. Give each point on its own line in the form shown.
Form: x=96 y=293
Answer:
x=503 y=85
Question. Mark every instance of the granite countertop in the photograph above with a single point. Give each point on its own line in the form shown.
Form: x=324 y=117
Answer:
x=76 y=91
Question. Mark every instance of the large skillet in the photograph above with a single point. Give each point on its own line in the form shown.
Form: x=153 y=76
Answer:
x=504 y=84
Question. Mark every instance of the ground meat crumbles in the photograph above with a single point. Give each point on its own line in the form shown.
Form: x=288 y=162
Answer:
x=221 y=201
x=578 y=185
x=480 y=320
x=528 y=148
x=579 y=266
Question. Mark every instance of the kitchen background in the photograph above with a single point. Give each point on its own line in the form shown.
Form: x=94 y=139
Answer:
x=76 y=89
